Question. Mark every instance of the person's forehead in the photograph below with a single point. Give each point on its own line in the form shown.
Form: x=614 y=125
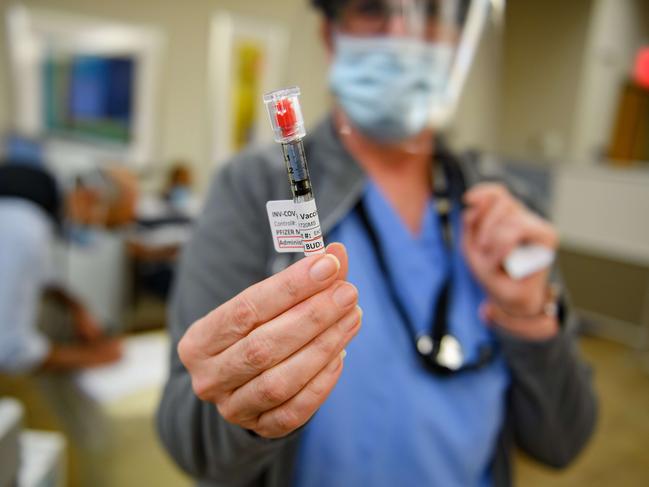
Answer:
x=450 y=13
x=336 y=5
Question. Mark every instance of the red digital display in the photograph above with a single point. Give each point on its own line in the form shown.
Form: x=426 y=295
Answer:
x=642 y=68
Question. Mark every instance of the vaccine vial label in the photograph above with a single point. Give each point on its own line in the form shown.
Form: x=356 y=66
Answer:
x=283 y=225
x=309 y=226
x=295 y=227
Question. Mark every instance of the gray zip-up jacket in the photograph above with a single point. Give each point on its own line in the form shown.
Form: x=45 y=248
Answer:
x=551 y=406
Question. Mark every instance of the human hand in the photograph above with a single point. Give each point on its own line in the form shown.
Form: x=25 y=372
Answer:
x=103 y=351
x=495 y=224
x=270 y=356
x=82 y=356
x=86 y=326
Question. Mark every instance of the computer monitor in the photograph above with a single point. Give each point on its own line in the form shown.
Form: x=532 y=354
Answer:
x=89 y=97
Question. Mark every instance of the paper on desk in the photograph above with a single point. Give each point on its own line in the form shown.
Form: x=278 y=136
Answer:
x=144 y=365
x=165 y=235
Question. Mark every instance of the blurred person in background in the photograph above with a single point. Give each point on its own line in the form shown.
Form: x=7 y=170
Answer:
x=456 y=362
x=178 y=192
x=30 y=214
x=101 y=199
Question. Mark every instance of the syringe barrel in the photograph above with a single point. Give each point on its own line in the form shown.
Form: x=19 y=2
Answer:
x=297 y=169
x=288 y=127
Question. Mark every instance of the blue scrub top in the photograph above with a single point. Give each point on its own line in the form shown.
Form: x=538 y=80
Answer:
x=389 y=421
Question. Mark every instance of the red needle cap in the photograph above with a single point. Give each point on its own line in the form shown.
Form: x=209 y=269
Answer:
x=286 y=118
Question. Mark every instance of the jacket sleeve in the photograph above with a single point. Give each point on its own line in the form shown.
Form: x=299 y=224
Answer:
x=552 y=404
x=227 y=252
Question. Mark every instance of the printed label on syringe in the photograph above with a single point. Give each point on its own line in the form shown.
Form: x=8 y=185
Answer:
x=295 y=226
x=309 y=226
x=283 y=225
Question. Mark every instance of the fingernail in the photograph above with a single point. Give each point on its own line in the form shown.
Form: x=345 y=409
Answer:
x=345 y=295
x=324 y=268
x=343 y=354
x=335 y=244
x=353 y=319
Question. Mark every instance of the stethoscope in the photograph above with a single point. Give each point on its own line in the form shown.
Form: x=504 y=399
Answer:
x=440 y=352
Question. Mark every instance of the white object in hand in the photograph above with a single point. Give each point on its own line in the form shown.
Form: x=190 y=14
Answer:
x=527 y=259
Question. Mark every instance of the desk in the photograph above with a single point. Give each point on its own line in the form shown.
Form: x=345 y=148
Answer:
x=136 y=456
x=113 y=441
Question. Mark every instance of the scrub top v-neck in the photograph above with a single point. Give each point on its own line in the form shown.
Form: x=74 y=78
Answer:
x=389 y=421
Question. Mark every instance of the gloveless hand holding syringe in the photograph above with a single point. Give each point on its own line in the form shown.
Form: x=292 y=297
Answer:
x=298 y=229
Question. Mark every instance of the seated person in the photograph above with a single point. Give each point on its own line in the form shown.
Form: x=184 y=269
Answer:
x=105 y=197
x=178 y=191
x=29 y=216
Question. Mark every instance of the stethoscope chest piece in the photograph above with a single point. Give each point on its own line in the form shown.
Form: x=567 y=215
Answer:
x=448 y=353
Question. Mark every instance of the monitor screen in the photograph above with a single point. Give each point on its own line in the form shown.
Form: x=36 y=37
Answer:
x=89 y=97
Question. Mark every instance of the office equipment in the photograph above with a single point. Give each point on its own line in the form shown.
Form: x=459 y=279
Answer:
x=143 y=366
x=42 y=459
x=89 y=97
x=11 y=416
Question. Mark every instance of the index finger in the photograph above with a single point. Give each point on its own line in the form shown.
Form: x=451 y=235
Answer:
x=479 y=199
x=484 y=193
x=265 y=300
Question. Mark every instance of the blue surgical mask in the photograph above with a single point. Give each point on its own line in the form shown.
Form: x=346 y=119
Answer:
x=82 y=235
x=179 y=197
x=387 y=86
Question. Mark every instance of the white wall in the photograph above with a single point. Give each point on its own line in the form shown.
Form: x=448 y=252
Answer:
x=544 y=45
x=617 y=29
x=4 y=67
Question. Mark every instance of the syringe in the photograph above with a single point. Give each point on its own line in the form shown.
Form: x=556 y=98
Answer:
x=288 y=126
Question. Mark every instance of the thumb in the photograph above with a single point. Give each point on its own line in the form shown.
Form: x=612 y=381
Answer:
x=340 y=252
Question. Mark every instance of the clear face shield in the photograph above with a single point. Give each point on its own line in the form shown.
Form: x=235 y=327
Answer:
x=430 y=20
x=400 y=65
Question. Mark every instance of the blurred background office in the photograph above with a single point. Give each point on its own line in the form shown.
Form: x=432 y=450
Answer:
x=132 y=106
